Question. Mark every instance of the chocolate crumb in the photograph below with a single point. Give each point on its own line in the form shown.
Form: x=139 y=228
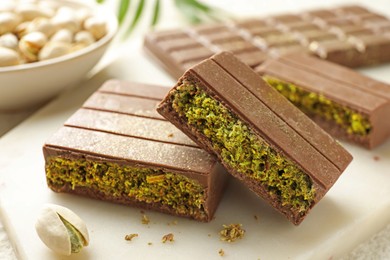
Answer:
x=145 y=220
x=376 y=158
x=221 y=252
x=232 y=232
x=130 y=237
x=256 y=218
x=167 y=237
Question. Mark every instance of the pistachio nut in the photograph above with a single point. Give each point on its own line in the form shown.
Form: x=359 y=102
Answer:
x=21 y=29
x=43 y=25
x=27 y=26
x=8 y=57
x=7 y=6
x=82 y=14
x=45 y=5
x=63 y=35
x=54 y=49
x=9 y=41
x=30 y=11
x=84 y=37
x=31 y=44
x=78 y=46
x=61 y=230
x=65 y=18
x=96 y=26
x=8 y=22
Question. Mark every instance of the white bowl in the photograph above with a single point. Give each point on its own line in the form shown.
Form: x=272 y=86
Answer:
x=27 y=85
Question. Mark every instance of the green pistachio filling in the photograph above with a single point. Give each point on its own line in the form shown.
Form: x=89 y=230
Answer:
x=316 y=104
x=183 y=195
x=240 y=148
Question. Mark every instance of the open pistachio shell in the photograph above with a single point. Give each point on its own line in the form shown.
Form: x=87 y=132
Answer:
x=61 y=229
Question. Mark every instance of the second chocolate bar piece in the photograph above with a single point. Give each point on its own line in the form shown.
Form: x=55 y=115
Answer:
x=340 y=35
x=346 y=103
x=261 y=138
x=118 y=148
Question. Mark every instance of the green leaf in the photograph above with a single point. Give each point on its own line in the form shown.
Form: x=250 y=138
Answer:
x=197 y=5
x=196 y=12
x=122 y=11
x=137 y=16
x=187 y=11
x=156 y=13
x=192 y=10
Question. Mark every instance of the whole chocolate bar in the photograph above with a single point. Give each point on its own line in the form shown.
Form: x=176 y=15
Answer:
x=118 y=148
x=346 y=103
x=260 y=137
x=352 y=36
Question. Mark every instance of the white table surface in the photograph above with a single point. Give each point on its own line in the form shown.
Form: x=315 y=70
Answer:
x=376 y=245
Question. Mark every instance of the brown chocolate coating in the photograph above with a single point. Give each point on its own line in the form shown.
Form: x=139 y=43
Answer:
x=349 y=35
x=342 y=86
x=118 y=124
x=271 y=117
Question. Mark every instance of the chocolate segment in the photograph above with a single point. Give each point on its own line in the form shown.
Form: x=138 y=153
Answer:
x=117 y=148
x=260 y=137
x=349 y=35
x=346 y=103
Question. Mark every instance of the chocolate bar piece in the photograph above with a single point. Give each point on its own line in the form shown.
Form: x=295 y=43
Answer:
x=351 y=35
x=346 y=103
x=118 y=148
x=260 y=137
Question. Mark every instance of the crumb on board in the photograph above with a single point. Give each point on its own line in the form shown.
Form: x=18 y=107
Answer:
x=145 y=220
x=232 y=232
x=256 y=217
x=129 y=237
x=150 y=243
x=221 y=252
x=170 y=135
x=172 y=223
x=167 y=237
x=376 y=158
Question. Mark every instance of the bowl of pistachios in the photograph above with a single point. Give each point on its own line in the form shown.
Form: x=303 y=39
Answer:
x=47 y=46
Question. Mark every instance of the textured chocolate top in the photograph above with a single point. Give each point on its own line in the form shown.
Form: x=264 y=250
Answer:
x=119 y=122
x=342 y=35
x=224 y=75
x=136 y=150
x=325 y=144
x=129 y=125
x=269 y=116
x=339 y=73
x=356 y=98
x=341 y=85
